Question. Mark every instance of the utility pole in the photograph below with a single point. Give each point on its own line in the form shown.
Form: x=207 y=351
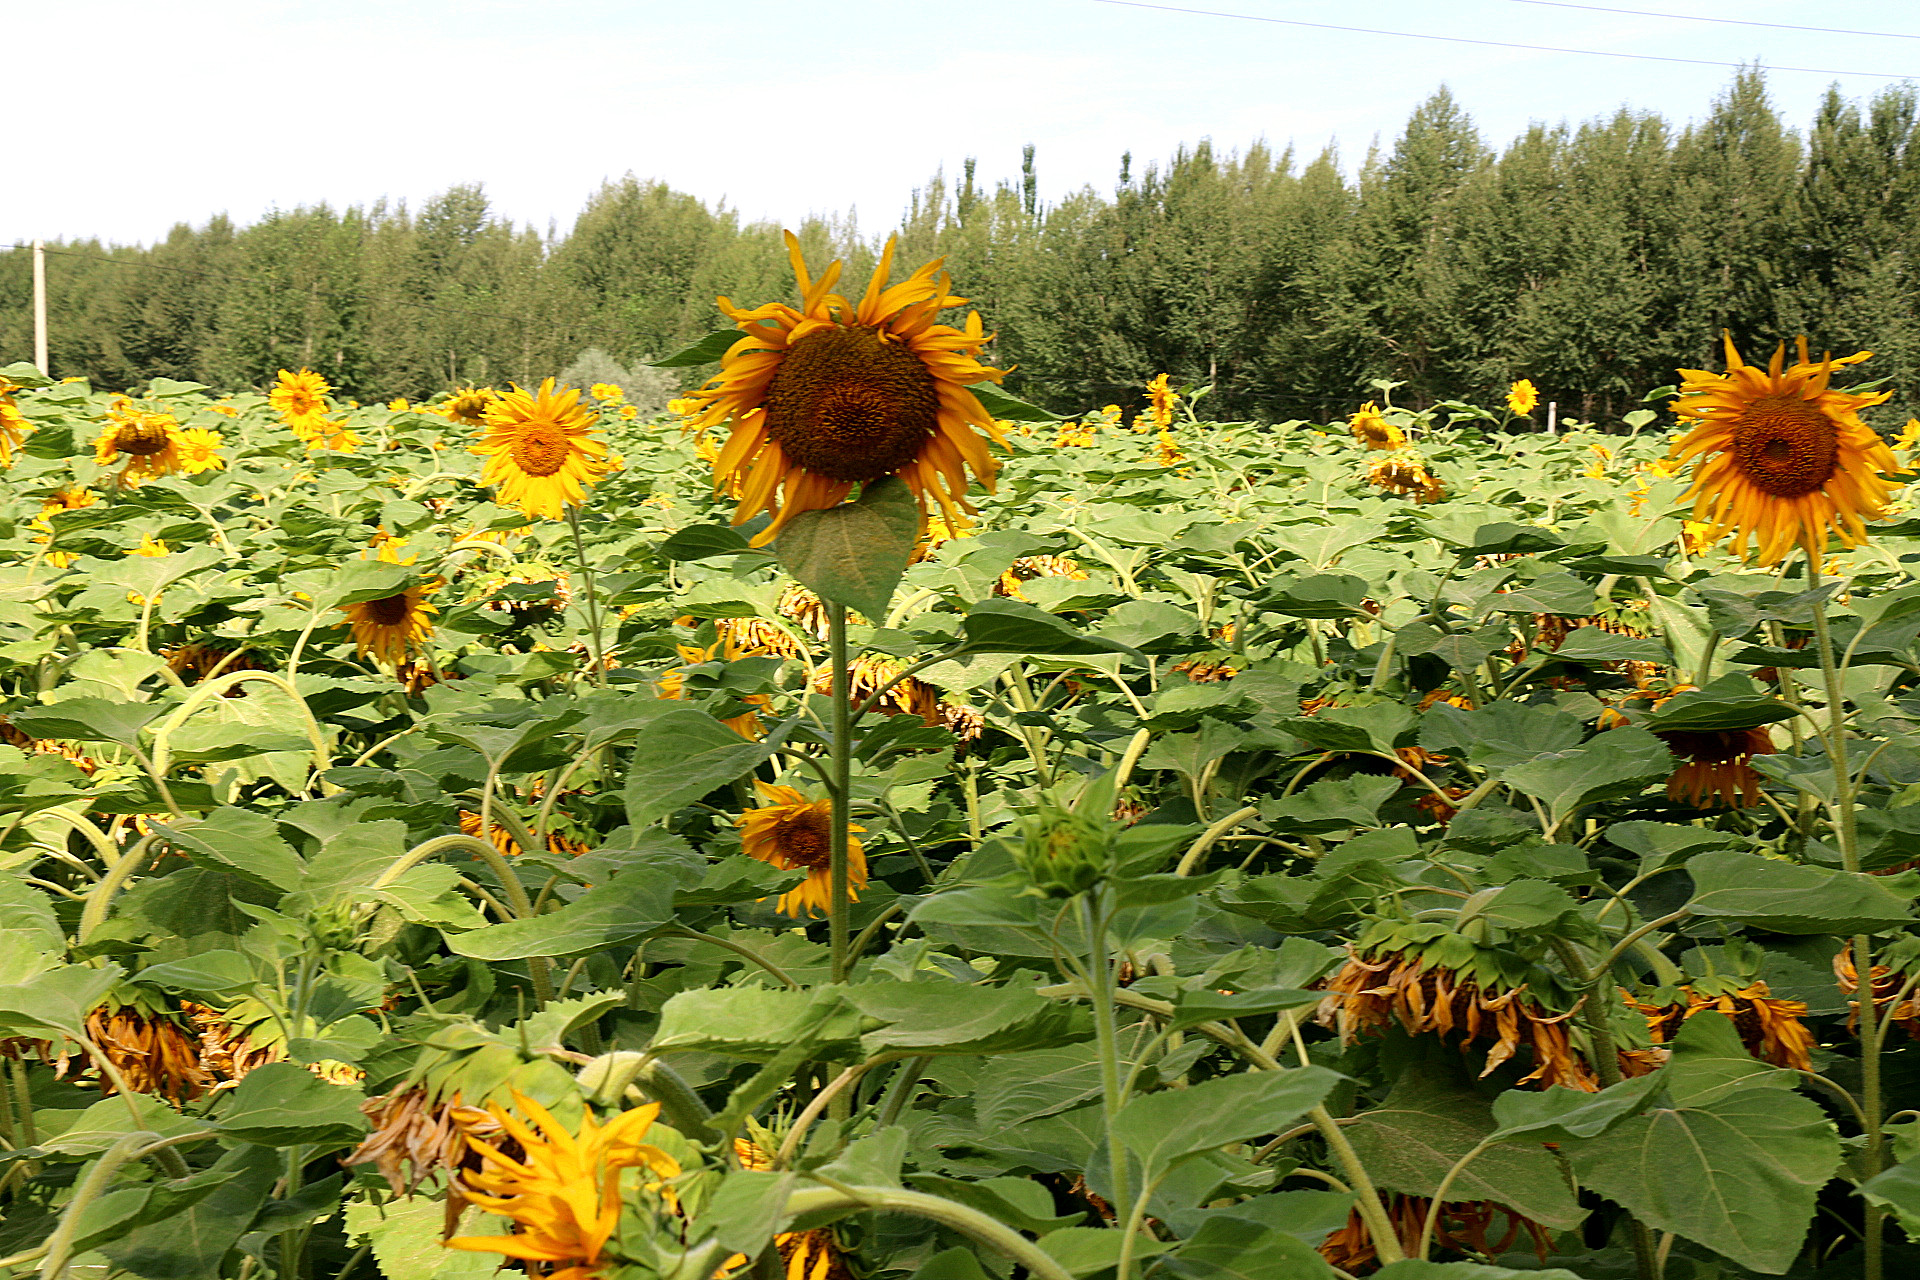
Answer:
x=40 y=307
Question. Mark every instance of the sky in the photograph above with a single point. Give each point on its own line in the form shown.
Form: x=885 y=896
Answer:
x=134 y=116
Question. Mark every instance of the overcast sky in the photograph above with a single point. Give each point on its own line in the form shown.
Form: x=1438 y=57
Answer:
x=129 y=116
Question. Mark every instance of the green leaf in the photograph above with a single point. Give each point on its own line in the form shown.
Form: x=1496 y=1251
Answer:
x=1021 y=1203
x=702 y=541
x=706 y=351
x=191 y=1241
x=1500 y=736
x=957 y=1263
x=148 y=576
x=1463 y=651
x=1738 y=1175
x=1194 y=1006
x=1421 y=1269
x=280 y=1105
x=240 y=841
x=359 y=581
x=1504 y=539
x=947 y=1017
x=1615 y=765
x=1083 y=1251
x=1710 y=1061
x=1557 y=593
x=211 y=973
x=1163 y=1129
x=631 y=905
x=1731 y=702
x=1897 y=1189
x=854 y=554
x=88 y=720
x=61 y=999
x=1590 y=646
x=1784 y=897
x=1231 y=1248
x=1427 y=1123
x=753 y=1022
x=995 y=625
x=1560 y=1114
x=684 y=754
x=1331 y=804
x=1320 y=595
x=999 y=404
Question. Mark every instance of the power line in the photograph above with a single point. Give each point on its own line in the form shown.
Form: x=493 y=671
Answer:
x=1494 y=44
x=1737 y=22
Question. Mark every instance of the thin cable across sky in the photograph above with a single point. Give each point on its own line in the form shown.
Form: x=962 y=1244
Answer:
x=1493 y=44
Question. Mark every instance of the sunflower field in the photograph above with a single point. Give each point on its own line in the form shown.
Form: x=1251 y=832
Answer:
x=862 y=825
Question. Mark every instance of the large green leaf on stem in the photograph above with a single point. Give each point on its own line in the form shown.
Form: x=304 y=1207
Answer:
x=1738 y=1174
x=192 y=1239
x=684 y=754
x=706 y=350
x=88 y=720
x=61 y=999
x=280 y=1105
x=1231 y=1248
x=947 y=1017
x=1427 y=1123
x=753 y=1022
x=1560 y=1114
x=1784 y=897
x=1009 y=408
x=1731 y=702
x=1163 y=1129
x=240 y=842
x=631 y=905
x=854 y=554
x=1615 y=765
x=995 y=625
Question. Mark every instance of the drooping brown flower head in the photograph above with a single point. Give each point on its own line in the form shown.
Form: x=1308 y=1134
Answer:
x=413 y=1136
x=1896 y=997
x=153 y=1051
x=1478 y=1228
x=1371 y=428
x=1716 y=769
x=1770 y=1027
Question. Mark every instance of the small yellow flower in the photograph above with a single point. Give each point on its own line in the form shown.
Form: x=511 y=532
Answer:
x=1371 y=428
x=199 y=451
x=629 y=412
x=150 y=547
x=300 y=398
x=1522 y=398
x=399 y=405
x=606 y=393
x=1161 y=399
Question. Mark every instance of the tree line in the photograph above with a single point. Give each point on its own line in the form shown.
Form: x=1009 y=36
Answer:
x=1591 y=258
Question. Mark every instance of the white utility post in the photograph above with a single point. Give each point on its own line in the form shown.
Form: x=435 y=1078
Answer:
x=40 y=307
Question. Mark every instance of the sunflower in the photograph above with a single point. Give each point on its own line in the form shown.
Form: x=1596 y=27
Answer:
x=563 y=1192
x=14 y=427
x=392 y=627
x=1408 y=475
x=831 y=395
x=1717 y=769
x=1371 y=428
x=540 y=455
x=792 y=832
x=804 y=1255
x=1465 y=1226
x=200 y=451
x=564 y=845
x=1896 y=997
x=1522 y=398
x=412 y=1135
x=300 y=398
x=151 y=442
x=1433 y=981
x=1160 y=401
x=606 y=393
x=468 y=406
x=1027 y=568
x=326 y=434
x=151 y=547
x=151 y=1049
x=1168 y=452
x=672 y=684
x=1770 y=1027
x=70 y=498
x=1780 y=458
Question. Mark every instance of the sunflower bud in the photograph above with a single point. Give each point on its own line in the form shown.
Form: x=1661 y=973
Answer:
x=1063 y=853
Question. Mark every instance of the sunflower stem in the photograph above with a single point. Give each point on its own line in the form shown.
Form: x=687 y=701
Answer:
x=1846 y=835
x=841 y=761
x=593 y=597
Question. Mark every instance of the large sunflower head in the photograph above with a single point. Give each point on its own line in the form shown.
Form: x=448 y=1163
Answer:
x=1780 y=457
x=831 y=394
x=540 y=450
x=299 y=397
x=792 y=832
x=150 y=442
x=393 y=627
x=1717 y=768
x=14 y=427
x=200 y=450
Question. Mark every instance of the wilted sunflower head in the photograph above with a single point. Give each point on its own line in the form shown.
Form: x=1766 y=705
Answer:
x=831 y=394
x=1371 y=428
x=1716 y=768
x=794 y=833
x=300 y=397
x=1781 y=458
x=539 y=449
x=1404 y=474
